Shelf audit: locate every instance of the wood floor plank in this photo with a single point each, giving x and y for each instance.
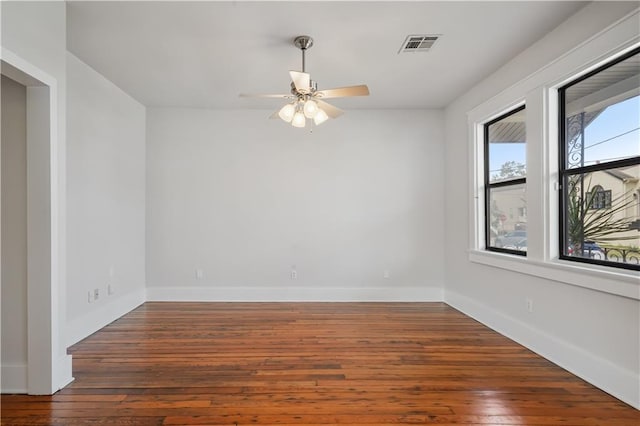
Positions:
(311, 364)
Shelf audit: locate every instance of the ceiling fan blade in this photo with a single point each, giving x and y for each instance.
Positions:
(259, 95)
(343, 92)
(301, 80)
(331, 111)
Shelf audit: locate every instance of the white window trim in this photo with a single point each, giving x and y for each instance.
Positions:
(539, 93)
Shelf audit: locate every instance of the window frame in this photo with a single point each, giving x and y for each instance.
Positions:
(488, 185)
(565, 172)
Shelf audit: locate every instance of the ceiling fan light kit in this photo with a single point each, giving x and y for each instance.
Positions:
(307, 99)
(287, 111)
(310, 108)
(298, 119)
(320, 117)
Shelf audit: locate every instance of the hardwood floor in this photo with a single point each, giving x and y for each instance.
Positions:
(311, 363)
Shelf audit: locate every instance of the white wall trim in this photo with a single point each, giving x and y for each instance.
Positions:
(621, 282)
(294, 294)
(62, 371)
(84, 326)
(619, 382)
(13, 378)
(23, 71)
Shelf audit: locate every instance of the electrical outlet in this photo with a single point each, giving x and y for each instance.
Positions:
(199, 274)
(96, 294)
(90, 296)
(386, 273)
(529, 304)
(294, 274)
(110, 289)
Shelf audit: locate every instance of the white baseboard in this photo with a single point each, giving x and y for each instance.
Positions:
(62, 372)
(13, 378)
(86, 325)
(619, 382)
(295, 294)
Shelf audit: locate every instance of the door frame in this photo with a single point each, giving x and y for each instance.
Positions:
(48, 367)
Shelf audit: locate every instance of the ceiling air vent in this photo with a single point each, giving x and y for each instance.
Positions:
(419, 43)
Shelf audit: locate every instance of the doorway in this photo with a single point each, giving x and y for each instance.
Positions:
(13, 235)
(33, 353)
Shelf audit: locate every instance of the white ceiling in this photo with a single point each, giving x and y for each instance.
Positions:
(203, 54)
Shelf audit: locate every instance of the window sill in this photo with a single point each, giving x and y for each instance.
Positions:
(625, 283)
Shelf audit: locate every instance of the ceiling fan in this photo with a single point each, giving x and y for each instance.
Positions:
(307, 102)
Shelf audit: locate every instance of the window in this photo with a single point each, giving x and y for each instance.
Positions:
(598, 198)
(600, 148)
(557, 238)
(505, 183)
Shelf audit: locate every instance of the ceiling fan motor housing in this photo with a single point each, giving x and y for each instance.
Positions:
(313, 88)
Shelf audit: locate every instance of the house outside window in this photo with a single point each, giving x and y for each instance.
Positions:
(600, 148)
(505, 183)
(598, 198)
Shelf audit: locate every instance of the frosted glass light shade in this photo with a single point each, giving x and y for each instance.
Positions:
(298, 119)
(310, 108)
(287, 112)
(320, 117)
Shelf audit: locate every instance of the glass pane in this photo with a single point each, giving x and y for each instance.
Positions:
(508, 217)
(602, 218)
(602, 115)
(507, 147)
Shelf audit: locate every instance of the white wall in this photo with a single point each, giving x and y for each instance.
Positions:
(13, 295)
(106, 200)
(246, 199)
(591, 333)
